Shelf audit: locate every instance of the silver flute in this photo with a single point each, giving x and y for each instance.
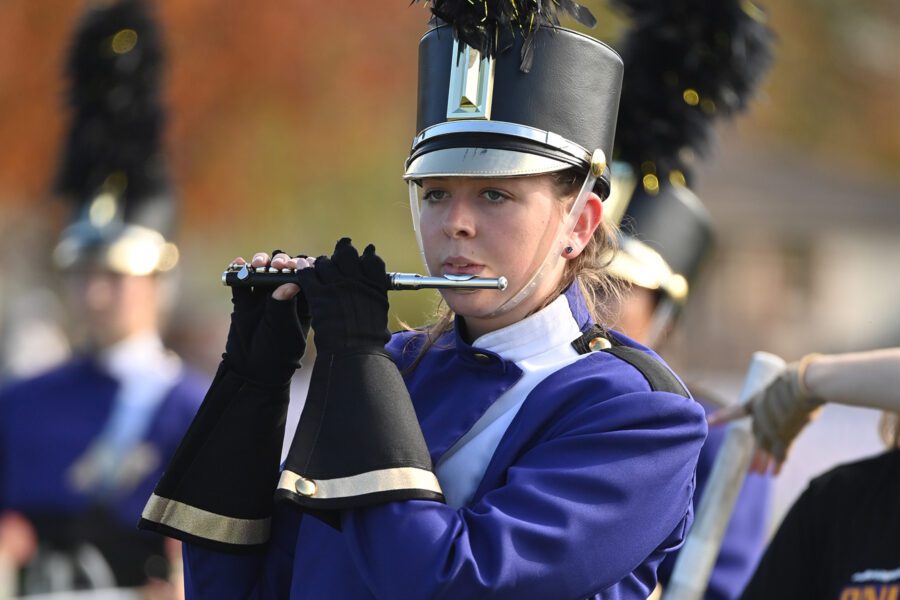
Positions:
(237, 275)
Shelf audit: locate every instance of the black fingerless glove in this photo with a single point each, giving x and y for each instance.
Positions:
(217, 489)
(267, 338)
(358, 441)
(348, 300)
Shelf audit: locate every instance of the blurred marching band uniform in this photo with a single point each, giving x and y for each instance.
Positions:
(687, 66)
(664, 238)
(82, 445)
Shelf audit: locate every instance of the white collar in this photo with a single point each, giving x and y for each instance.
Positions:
(548, 328)
(141, 353)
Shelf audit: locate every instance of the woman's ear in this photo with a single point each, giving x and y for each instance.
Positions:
(587, 223)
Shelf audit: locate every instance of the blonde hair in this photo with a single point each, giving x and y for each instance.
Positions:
(589, 270)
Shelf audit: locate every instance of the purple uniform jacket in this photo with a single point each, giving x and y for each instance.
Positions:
(46, 423)
(588, 490)
(745, 536)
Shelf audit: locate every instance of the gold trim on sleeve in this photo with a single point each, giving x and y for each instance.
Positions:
(205, 524)
(383, 480)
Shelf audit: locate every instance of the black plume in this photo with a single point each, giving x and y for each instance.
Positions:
(687, 62)
(488, 25)
(114, 140)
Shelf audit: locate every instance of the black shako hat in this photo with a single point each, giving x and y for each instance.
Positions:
(112, 168)
(691, 63)
(664, 238)
(505, 115)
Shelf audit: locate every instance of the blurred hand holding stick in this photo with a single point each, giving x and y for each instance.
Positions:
(783, 408)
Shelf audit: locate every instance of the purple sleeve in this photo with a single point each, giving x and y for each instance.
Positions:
(211, 574)
(591, 507)
(745, 535)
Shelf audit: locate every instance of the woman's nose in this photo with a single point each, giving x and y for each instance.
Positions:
(458, 220)
(98, 292)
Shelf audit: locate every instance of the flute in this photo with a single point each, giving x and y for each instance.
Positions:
(246, 276)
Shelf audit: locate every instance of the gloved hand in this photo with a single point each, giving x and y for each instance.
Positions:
(347, 297)
(239, 428)
(267, 337)
(358, 442)
(781, 411)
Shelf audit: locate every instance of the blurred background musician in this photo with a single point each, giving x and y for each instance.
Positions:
(82, 445)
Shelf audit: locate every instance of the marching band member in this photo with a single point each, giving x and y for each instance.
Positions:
(82, 445)
(516, 447)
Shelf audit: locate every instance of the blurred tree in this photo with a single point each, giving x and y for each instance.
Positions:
(290, 119)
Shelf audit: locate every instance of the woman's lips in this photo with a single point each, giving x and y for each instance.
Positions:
(461, 266)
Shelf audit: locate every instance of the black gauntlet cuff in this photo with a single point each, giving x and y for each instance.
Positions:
(217, 490)
(358, 442)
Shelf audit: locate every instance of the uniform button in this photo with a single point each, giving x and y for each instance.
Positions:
(305, 487)
(482, 358)
(599, 343)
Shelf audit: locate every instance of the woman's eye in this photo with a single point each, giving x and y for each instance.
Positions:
(434, 195)
(495, 196)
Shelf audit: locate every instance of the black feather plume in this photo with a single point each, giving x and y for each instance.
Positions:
(487, 25)
(114, 140)
(687, 63)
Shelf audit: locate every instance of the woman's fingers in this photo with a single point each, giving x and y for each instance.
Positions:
(286, 291)
(761, 462)
(260, 259)
(756, 461)
(299, 263)
(283, 261)
(280, 260)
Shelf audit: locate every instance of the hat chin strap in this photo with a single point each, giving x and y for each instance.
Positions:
(541, 267)
(659, 323)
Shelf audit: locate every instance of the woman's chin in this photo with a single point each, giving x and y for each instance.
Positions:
(472, 303)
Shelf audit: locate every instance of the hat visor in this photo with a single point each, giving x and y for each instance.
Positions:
(481, 162)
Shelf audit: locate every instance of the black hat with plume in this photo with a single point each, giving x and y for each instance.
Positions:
(504, 91)
(690, 63)
(112, 167)
(664, 237)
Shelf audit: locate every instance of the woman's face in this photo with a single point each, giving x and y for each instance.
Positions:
(488, 228)
(110, 307)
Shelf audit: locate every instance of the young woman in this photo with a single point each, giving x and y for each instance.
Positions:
(514, 449)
